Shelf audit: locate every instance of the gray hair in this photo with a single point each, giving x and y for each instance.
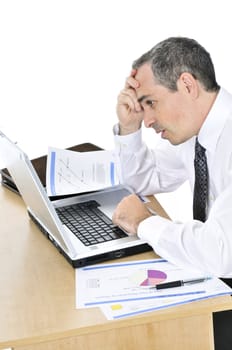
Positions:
(176, 55)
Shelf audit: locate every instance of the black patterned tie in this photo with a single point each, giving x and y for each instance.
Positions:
(201, 183)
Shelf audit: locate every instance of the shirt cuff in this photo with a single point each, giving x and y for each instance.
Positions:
(151, 229)
(130, 141)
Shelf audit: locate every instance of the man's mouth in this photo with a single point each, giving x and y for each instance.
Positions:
(158, 129)
(162, 133)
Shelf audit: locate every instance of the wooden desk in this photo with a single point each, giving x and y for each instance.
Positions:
(37, 296)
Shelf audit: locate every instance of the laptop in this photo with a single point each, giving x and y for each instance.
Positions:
(79, 227)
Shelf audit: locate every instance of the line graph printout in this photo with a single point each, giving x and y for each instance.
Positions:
(71, 172)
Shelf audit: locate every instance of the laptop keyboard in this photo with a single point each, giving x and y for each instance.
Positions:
(89, 223)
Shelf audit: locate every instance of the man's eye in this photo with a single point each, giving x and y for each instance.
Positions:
(150, 103)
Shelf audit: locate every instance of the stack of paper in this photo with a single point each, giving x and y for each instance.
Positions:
(127, 289)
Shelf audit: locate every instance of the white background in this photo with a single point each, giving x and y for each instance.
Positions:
(63, 63)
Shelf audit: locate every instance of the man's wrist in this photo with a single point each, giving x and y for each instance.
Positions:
(126, 131)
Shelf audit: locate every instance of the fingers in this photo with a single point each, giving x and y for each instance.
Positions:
(131, 82)
(129, 110)
(120, 216)
(128, 97)
(130, 89)
(129, 213)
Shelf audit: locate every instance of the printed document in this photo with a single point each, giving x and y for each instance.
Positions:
(125, 289)
(70, 172)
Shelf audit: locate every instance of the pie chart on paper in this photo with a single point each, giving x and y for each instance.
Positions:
(154, 277)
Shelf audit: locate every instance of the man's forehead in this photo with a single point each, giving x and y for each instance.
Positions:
(144, 72)
(147, 86)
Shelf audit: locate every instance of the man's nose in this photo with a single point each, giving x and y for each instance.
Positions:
(148, 119)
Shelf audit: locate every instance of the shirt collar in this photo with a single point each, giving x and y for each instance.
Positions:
(215, 121)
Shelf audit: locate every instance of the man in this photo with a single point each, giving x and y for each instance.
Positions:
(173, 89)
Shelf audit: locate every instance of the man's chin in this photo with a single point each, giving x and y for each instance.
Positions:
(172, 140)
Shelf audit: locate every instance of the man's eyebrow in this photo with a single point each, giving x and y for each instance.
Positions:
(140, 99)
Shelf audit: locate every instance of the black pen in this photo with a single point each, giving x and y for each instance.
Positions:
(180, 283)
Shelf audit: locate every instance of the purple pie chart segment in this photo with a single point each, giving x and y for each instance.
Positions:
(154, 277)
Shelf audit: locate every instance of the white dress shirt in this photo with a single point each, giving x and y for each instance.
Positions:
(192, 244)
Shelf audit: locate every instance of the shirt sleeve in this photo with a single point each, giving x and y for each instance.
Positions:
(145, 170)
(193, 244)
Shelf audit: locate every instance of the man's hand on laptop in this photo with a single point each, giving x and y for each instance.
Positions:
(129, 213)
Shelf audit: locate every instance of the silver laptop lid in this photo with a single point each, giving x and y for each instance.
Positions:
(31, 189)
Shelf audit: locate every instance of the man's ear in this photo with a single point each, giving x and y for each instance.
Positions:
(188, 84)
